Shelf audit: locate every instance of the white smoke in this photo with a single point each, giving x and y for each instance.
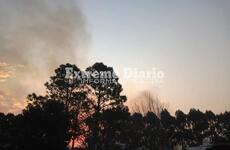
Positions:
(40, 35)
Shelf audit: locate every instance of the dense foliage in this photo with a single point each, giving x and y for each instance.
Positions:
(76, 115)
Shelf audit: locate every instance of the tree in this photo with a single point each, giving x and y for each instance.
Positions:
(137, 126)
(105, 94)
(90, 106)
(149, 103)
(211, 133)
(11, 133)
(168, 123)
(153, 131)
(45, 126)
(116, 128)
(223, 128)
(182, 131)
(198, 124)
(68, 89)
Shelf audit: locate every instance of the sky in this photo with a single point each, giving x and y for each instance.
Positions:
(189, 41)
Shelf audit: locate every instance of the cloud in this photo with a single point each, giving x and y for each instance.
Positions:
(10, 104)
(7, 70)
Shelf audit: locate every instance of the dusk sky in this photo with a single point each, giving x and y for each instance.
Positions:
(189, 41)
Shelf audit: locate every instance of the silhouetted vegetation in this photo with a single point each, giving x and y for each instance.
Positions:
(92, 116)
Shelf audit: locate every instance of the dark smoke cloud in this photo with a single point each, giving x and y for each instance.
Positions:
(40, 35)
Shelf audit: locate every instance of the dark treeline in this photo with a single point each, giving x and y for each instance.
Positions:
(92, 116)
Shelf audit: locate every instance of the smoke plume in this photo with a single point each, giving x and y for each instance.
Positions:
(39, 35)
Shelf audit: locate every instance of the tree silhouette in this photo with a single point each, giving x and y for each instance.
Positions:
(91, 111)
(105, 94)
(116, 128)
(181, 134)
(149, 103)
(45, 126)
(71, 92)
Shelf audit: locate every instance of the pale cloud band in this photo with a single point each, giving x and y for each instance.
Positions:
(10, 104)
(8, 70)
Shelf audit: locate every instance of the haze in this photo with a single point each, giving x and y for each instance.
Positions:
(188, 40)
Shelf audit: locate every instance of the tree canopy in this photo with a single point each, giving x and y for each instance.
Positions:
(86, 110)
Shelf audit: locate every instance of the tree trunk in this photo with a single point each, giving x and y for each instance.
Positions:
(72, 147)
